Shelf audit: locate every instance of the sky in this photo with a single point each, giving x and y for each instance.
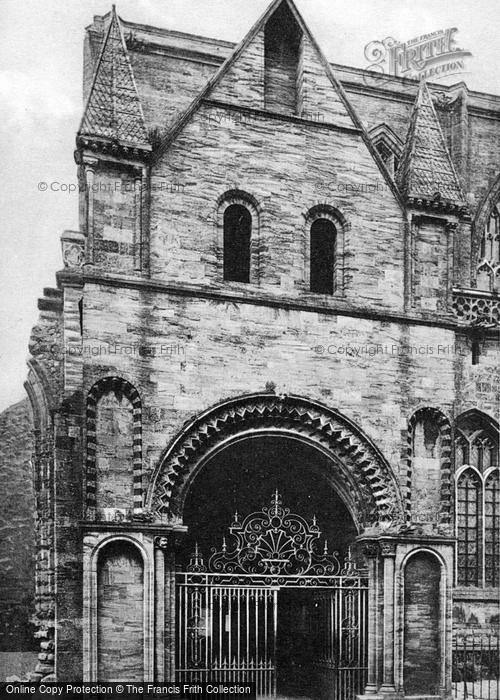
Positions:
(41, 48)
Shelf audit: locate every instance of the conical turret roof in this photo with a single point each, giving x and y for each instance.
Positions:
(113, 111)
(426, 175)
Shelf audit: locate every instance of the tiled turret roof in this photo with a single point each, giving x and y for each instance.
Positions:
(113, 110)
(426, 174)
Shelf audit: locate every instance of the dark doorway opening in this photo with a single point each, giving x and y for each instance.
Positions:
(242, 478)
(297, 644)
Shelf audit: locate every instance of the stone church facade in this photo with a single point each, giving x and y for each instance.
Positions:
(277, 323)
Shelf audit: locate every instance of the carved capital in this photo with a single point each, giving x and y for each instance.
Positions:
(73, 249)
(170, 542)
(388, 548)
(90, 162)
(371, 550)
(162, 542)
(444, 101)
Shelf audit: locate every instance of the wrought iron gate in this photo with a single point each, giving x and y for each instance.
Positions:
(273, 589)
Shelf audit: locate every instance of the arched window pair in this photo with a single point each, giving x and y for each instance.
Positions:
(477, 507)
(238, 241)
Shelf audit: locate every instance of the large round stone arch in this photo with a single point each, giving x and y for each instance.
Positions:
(355, 461)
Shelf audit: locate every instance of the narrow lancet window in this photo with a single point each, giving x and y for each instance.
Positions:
(237, 236)
(323, 240)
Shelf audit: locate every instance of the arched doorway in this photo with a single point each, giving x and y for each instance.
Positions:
(270, 591)
(337, 467)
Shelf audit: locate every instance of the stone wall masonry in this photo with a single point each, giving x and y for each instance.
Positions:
(462, 255)
(484, 150)
(47, 339)
(114, 452)
(115, 195)
(375, 109)
(73, 323)
(284, 167)
(243, 82)
(167, 85)
(187, 354)
(477, 386)
(471, 613)
(45, 603)
(120, 625)
(168, 81)
(422, 644)
(17, 526)
(319, 97)
(455, 124)
(432, 253)
(68, 511)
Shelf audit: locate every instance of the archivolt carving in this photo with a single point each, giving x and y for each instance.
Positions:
(356, 462)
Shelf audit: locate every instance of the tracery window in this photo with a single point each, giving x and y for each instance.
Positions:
(468, 528)
(488, 269)
(477, 512)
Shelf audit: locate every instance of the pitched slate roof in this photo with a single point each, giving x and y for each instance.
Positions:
(426, 171)
(113, 110)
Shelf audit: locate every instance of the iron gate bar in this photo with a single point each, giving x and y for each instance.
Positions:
(273, 550)
(245, 646)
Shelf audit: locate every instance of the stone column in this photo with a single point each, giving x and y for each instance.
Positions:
(161, 544)
(451, 234)
(164, 593)
(138, 218)
(145, 197)
(89, 165)
(388, 551)
(371, 552)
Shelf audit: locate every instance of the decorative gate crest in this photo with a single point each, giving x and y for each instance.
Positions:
(273, 542)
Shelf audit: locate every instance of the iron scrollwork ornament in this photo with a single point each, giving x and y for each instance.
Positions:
(274, 542)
